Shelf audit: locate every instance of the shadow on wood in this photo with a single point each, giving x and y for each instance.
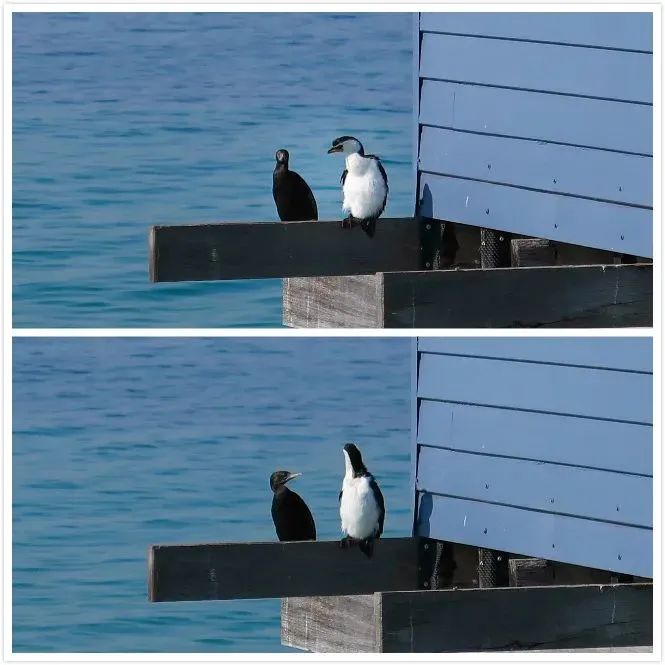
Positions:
(272, 570)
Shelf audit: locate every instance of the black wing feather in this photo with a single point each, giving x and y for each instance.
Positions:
(385, 179)
(343, 178)
(379, 499)
(310, 195)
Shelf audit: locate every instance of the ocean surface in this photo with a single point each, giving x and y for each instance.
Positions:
(123, 443)
(125, 120)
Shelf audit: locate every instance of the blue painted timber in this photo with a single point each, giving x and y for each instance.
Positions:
(527, 112)
(536, 116)
(537, 446)
(618, 30)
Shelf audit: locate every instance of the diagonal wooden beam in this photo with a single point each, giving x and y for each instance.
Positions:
(225, 571)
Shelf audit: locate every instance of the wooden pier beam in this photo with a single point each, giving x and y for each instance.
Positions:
(589, 616)
(227, 571)
(610, 296)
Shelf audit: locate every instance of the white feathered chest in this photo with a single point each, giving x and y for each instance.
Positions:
(358, 508)
(364, 188)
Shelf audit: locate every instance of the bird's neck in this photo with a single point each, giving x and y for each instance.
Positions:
(357, 163)
(281, 168)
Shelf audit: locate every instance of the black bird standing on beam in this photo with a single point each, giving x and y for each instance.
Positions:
(293, 197)
(292, 518)
(361, 505)
(364, 184)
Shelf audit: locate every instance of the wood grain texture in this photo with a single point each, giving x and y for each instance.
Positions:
(616, 446)
(330, 624)
(583, 542)
(608, 74)
(538, 116)
(613, 30)
(280, 249)
(352, 301)
(549, 297)
(273, 570)
(587, 616)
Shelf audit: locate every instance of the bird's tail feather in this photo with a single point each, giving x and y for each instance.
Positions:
(368, 226)
(367, 547)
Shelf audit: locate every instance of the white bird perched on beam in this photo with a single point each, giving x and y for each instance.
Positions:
(361, 506)
(364, 184)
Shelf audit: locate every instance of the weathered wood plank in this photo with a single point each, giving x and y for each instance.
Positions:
(273, 570)
(353, 301)
(330, 624)
(609, 296)
(280, 249)
(586, 616)
(548, 297)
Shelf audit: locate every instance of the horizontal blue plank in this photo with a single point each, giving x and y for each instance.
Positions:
(620, 75)
(589, 493)
(593, 393)
(539, 116)
(609, 226)
(623, 30)
(551, 167)
(600, 444)
(625, 353)
(623, 549)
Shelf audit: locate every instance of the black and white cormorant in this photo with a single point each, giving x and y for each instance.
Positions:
(293, 519)
(293, 197)
(361, 505)
(364, 184)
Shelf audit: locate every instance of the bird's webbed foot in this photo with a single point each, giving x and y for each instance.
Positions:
(345, 542)
(349, 222)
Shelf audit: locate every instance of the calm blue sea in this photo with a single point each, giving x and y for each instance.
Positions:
(124, 120)
(123, 443)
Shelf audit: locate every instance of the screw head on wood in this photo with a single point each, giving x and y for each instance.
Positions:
(428, 226)
(428, 264)
(425, 546)
(426, 583)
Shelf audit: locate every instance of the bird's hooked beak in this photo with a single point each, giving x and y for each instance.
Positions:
(336, 148)
(291, 476)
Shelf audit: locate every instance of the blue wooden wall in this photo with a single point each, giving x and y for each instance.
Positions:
(536, 446)
(537, 123)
